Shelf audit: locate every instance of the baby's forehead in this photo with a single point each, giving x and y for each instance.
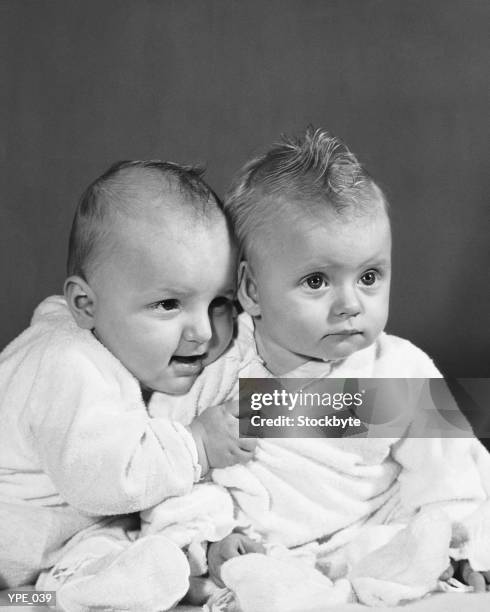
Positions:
(143, 249)
(344, 206)
(290, 218)
(290, 210)
(171, 216)
(150, 218)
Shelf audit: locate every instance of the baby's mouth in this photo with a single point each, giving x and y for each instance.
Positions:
(188, 359)
(188, 365)
(345, 332)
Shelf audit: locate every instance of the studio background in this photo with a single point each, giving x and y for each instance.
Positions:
(404, 83)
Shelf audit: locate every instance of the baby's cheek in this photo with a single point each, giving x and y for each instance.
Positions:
(222, 337)
(163, 345)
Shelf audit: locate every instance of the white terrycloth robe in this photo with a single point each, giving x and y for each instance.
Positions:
(77, 443)
(299, 490)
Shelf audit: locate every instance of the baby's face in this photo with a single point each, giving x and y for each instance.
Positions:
(164, 297)
(323, 288)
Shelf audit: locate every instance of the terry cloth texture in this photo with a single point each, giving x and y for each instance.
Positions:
(351, 484)
(351, 481)
(77, 442)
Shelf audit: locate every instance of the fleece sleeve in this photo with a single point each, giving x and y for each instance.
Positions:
(96, 442)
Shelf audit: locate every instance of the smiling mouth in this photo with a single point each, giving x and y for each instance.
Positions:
(187, 365)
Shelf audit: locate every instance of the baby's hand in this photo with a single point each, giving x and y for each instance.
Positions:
(231, 546)
(217, 427)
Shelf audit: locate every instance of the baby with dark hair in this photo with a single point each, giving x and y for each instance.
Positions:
(148, 305)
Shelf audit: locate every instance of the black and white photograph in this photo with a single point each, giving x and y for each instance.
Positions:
(245, 325)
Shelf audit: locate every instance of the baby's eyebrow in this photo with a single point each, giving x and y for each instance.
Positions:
(376, 259)
(378, 262)
(171, 291)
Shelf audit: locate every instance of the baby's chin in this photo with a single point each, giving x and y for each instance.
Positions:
(339, 350)
(174, 386)
(337, 355)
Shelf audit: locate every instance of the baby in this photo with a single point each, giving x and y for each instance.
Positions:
(314, 280)
(150, 288)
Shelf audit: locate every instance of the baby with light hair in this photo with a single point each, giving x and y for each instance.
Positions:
(314, 281)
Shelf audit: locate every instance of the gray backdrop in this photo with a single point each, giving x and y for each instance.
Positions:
(404, 83)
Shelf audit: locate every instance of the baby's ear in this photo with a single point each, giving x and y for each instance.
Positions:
(247, 290)
(81, 301)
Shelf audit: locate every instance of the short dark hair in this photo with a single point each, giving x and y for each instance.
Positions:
(121, 189)
(316, 168)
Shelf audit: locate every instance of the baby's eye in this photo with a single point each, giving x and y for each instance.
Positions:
(167, 305)
(369, 278)
(315, 281)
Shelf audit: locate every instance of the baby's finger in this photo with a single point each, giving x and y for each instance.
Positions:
(232, 407)
(214, 567)
(231, 549)
(248, 444)
(254, 547)
(232, 426)
(242, 456)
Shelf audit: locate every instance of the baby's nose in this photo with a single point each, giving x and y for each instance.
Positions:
(198, 330)
(347, 303)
